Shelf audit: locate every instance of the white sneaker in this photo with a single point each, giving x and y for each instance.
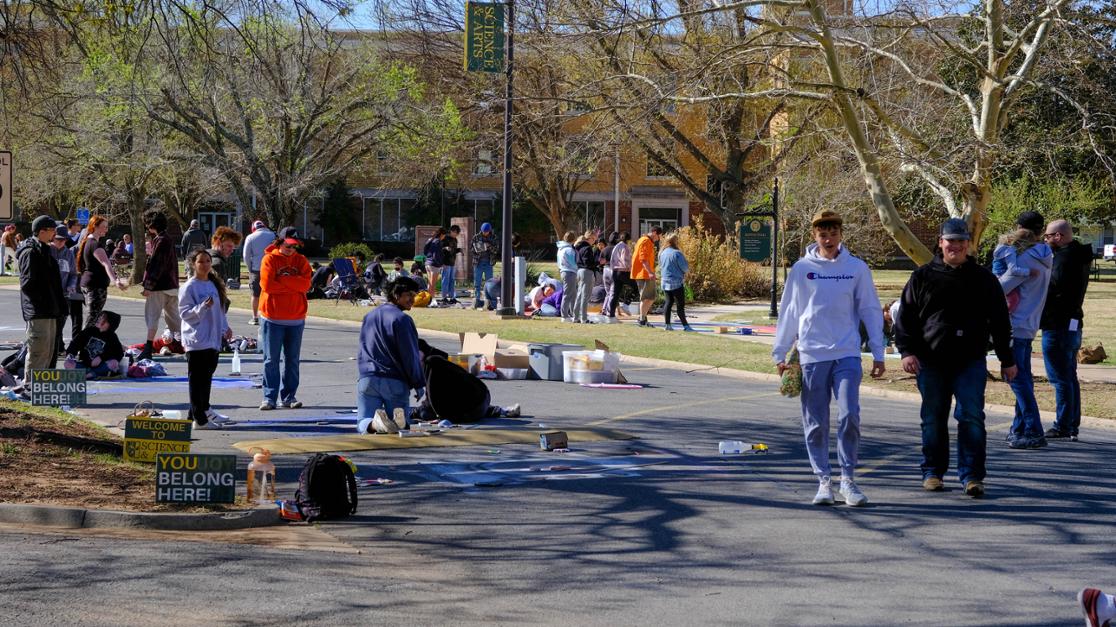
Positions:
(399, 416)
(255, 322)
(207, 426)
(382, 424)
(513, 411)
(825, 492)
(293, 403)
(267, 405)
(853, 496)
(215, 417)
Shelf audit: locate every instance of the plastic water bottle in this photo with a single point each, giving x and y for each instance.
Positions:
(738, 447)
(234, 371)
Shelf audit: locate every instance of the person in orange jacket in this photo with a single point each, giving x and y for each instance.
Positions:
(284, 281)
(643, 271)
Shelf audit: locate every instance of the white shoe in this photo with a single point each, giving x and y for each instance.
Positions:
(267, 405)
(399, 416)
(853, 496)
(207, 426)
(825, 492)
(255, 322)
(382, 424)
(293, 403)
(213, 416)
(512, 411)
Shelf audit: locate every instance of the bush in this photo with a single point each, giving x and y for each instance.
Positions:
(717, 273)
(350, 249)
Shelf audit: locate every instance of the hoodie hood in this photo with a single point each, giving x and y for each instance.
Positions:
(563, 244)
(813, 254)
(113, 320)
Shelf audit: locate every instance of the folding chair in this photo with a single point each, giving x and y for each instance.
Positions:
(348, 280)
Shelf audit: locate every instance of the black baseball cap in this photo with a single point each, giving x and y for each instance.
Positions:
(289, 235)
(1032, 221)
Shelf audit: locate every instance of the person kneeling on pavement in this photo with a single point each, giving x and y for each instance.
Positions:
(453, 393)
(388, 360)
(97, 348)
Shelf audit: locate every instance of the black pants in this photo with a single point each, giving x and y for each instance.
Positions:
(200, 366)
(74, 309)
(675, 298)
(620, 278)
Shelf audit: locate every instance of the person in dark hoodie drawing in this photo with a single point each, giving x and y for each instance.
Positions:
(97, 348)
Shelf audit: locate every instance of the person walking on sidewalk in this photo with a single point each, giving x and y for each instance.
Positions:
(160, 284)
(948, 310)
(284, 281)
(96, 269)
(486, 250)
(673, 268)
(1031, 282)
(67, 269)
(643, 271)
(1061, 324)
(828, 294)
(40, 297)
(432, 250)
(255, 247)
(620, 261)
(388, 361)
(204, 328)
(450, 250)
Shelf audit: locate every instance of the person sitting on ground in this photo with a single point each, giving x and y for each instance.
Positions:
(397, 270)
(551, 306)
(120, 254)
(320, 280)
(388, 361)
(375, 274)
(419, 276)
(97, 348)
(453, 393)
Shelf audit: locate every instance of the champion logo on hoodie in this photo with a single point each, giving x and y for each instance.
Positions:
(814, 276)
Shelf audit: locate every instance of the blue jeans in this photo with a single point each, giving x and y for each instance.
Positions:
(481, 273)
(1027, 422)
(939, 386)
(839, 378)
(381, 393)
(1059, 351)
(286, 341)
(449, 277)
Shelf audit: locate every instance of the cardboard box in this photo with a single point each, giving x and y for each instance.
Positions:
(514, 356)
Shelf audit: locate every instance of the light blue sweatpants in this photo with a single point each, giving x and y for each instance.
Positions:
(840, 379)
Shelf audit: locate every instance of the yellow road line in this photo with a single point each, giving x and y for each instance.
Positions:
(709, 401)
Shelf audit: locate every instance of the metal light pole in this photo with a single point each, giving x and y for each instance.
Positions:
(507, 283)
(775, 250)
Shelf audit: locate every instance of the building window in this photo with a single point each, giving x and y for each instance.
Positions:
(486, 165)
(385, 219)
(590, 214)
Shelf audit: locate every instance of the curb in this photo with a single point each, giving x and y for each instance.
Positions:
(78, 518)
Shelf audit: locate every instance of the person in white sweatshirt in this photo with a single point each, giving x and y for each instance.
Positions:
(201, 305)
(567, 269)
(828, 294)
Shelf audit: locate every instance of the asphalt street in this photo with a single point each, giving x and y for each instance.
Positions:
(656, 530)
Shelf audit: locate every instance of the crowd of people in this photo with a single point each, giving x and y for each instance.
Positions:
(949, 311)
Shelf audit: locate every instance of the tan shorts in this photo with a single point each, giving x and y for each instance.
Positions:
(254, 283)
(646, 289)
(164, 303)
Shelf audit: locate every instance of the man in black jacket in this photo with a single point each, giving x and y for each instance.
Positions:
(1061, 325)
(949, 309)
(40, 296)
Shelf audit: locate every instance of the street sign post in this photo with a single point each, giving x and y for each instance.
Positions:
(753, 240)
(7, 207)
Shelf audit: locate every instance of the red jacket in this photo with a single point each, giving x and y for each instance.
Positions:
(284, 282)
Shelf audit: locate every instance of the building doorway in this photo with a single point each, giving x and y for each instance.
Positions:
(210, 220)
(666, 218)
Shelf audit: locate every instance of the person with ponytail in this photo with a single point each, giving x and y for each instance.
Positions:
(95, 268)
(201, 307)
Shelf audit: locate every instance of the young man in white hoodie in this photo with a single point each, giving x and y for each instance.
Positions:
(828, 295)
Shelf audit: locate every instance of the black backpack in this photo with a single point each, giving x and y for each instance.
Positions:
(326, 488)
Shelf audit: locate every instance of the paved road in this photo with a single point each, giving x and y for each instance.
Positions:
(661, 531)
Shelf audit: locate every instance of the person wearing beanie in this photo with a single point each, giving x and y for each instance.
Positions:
(828, 295)
(40, 296)
(948, 310)
(485, 253)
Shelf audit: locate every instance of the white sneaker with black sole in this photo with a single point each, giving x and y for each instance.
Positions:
(853, 496)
